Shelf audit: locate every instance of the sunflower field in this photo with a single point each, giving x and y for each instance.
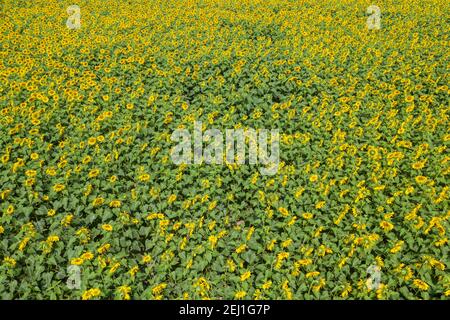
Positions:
(93, 207)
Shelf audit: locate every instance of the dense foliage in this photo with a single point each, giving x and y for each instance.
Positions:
(86, 176)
